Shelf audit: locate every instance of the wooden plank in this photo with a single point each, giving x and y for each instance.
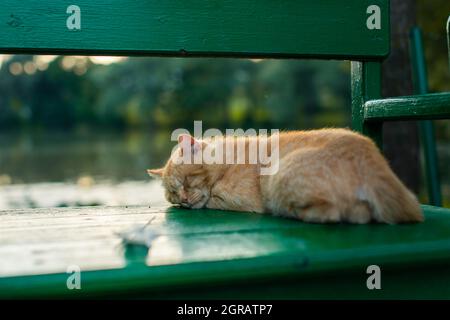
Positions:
(73, 218)
(418, 107)
(366, 85)
(426, 128)
(90, 242)
(63, 212)
(109, 253)
(202, 234)
(47, 240)
(264, 28)
(201, 246)
(45, 258)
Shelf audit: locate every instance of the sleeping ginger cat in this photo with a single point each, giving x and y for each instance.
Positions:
(324, 176)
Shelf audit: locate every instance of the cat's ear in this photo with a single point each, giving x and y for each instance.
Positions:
(184, 137)
(155, 173)
(188, 141)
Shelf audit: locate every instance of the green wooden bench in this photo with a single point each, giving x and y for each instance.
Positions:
(428, 139)
(218, 254)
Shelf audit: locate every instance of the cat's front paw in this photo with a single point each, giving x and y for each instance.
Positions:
(197, 199)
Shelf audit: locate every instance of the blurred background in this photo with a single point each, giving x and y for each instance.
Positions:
(82, 130)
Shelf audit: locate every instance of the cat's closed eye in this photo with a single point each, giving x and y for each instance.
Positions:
(218, 198)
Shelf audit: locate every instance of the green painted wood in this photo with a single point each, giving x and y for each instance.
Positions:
(426, 127)
(207, 253)
(365, 85)
(292, 28)
(419, 107)
(357, 95)
(448, 40)
(372, 82)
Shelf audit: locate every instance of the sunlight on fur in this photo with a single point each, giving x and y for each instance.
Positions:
(324, 176)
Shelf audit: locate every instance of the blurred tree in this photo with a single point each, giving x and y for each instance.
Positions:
(432, 17)
(401, 140)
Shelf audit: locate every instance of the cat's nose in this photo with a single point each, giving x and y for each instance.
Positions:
(185, 202)
(183, 197)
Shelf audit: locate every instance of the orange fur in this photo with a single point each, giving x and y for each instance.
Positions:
(327, 175)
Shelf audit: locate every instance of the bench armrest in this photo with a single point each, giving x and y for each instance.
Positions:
(419, 107)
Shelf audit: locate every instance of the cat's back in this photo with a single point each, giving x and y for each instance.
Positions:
(337, 137)
(333, 175)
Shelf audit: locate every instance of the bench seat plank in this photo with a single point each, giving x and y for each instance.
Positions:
(198, 248)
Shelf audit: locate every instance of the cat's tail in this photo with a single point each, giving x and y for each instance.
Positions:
(390, 200)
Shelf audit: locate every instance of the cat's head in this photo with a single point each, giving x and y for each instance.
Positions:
(186, 184)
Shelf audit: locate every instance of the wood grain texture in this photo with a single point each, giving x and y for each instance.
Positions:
(264, 28)
(198, 248)
(49, 240)
(419, 107)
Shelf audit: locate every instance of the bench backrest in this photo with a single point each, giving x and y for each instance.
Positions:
(357, 30)
(350, 29)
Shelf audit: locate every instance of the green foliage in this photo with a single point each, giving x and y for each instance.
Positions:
(432, 17)
(169, 93)
(172, 92)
